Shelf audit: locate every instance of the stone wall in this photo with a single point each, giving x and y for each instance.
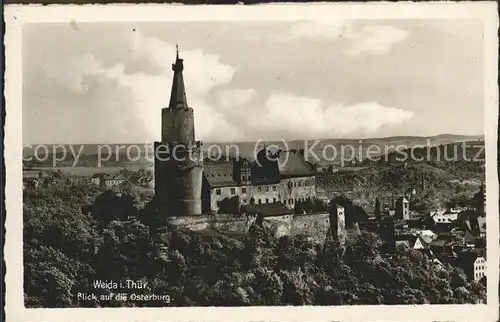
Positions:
(220, 222)
(287, 191)
(315, 226)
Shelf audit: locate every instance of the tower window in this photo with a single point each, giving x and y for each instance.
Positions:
(243, 190)
(217, 192)
(274, 200)
(260, 201)
(259, 189)
(274, 188)
(267, 189)
(267, 200)
(233, 191)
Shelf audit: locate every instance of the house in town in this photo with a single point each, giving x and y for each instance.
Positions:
(107, 180)
(473, 263)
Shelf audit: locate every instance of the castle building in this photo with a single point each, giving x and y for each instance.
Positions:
(186, 185)
(233, 193)
(284, 177)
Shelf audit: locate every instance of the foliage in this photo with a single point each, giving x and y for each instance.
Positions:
(69, 246)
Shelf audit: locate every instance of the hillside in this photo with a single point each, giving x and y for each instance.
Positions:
(434, 187)
(458, 159)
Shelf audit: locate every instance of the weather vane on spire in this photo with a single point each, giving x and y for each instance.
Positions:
(177, 50)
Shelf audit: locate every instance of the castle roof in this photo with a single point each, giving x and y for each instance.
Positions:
(219, 173)
(178, 93)
(292, 164)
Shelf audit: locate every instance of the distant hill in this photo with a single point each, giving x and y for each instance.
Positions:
(322, 150)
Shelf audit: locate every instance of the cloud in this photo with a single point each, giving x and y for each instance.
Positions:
(296, 117)
(376, 40)
(150, 90)
(236, 97)
(370, 39)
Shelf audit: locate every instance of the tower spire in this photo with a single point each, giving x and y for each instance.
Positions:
(178, 93)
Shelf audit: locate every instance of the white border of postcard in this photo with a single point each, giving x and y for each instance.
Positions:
(17, 15)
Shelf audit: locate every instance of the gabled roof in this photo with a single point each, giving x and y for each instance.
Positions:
(219, 173)
(426, 239)
(292, 164)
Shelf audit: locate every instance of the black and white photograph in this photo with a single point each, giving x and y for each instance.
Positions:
(303, 161)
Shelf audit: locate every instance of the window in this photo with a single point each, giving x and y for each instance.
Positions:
(243, 190)
(267, 189)
(260, 201)
(259, 189)
(295, 184)
(267, 200)
(233, 191)
(274, 188)
(217, 191)
(244, 201)
(300, 183)
(274, 200)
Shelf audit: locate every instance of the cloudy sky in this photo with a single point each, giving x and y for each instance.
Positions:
(107, 82)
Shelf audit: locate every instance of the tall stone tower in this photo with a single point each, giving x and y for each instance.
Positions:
(178, 157)
(337, 223)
